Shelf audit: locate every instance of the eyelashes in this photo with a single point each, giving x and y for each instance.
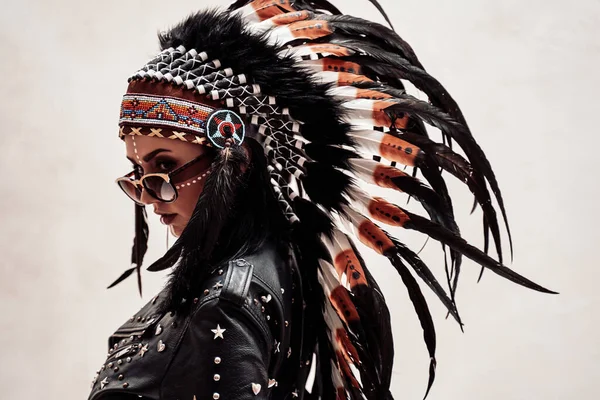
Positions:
(158, 165)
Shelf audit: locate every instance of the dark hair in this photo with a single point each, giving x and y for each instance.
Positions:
(235, 214)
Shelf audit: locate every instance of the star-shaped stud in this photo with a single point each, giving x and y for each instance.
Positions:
(103, 382)
(295, 393)
(143, 350)
(218, 285)
(218, 332)
(277, 345)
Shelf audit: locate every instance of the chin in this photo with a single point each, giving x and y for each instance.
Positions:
(175, 230)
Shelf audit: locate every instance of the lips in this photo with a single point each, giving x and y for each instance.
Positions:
(166, 219)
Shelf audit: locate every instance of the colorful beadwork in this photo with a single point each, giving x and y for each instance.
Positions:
(223, 125)
(143, 109)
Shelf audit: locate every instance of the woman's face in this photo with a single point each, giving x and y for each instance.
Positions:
(158, 155)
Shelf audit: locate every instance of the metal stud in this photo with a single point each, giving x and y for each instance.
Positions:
(218, 332)
(116, 369)
(161, 346)
(143, 350)
(217, 360)
(216, 396)
(174, 324)
(217, 377)
(120, 377)
(268, 317)
(196, 300)
(154, 300)
(120, 362)
(289, 353)
(272, 382)
(295, 393)
(128, 359)
(282, 290)
(266, 299)
(256, 388)
(110, 365)
(262, 308)
(277, 345)
(125, 385)
(218, 285)
(287, 324)
(220, 272)
(138, 319)
(158, 330)
(206, 291)
(103, 382)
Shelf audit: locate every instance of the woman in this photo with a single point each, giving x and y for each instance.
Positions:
(253, 135)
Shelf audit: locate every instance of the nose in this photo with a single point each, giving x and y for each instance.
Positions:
(145, 197)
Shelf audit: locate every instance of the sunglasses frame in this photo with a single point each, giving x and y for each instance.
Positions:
(167, 177)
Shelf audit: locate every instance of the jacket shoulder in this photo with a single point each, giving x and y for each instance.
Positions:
(234, 343)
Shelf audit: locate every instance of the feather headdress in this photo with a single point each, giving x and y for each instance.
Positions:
(323, 94)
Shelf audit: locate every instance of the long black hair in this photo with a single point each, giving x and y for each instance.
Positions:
(236, 213)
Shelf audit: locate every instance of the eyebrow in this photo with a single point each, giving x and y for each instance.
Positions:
(151, 155)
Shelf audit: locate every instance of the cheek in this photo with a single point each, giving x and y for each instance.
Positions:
(186, 201)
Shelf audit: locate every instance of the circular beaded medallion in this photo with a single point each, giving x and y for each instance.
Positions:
(222, 125)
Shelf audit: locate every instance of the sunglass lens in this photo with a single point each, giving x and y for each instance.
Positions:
(159, 188)
(130, 190)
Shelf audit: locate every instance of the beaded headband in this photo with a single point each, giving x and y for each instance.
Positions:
(155, 110)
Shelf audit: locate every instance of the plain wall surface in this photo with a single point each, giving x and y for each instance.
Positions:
(526, 77)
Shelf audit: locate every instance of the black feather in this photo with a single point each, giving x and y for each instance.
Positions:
(443, 235)
(420, 305)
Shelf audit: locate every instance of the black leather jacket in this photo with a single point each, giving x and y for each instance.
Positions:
(235, 343)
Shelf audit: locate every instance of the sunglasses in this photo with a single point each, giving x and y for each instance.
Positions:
(161, 186)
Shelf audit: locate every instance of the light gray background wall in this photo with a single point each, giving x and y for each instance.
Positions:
(526, 77)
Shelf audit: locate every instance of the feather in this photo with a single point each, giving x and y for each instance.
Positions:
(376, 33)
(376, 238)
(140, 246)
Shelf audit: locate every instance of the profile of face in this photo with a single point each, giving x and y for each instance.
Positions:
(159, 155)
